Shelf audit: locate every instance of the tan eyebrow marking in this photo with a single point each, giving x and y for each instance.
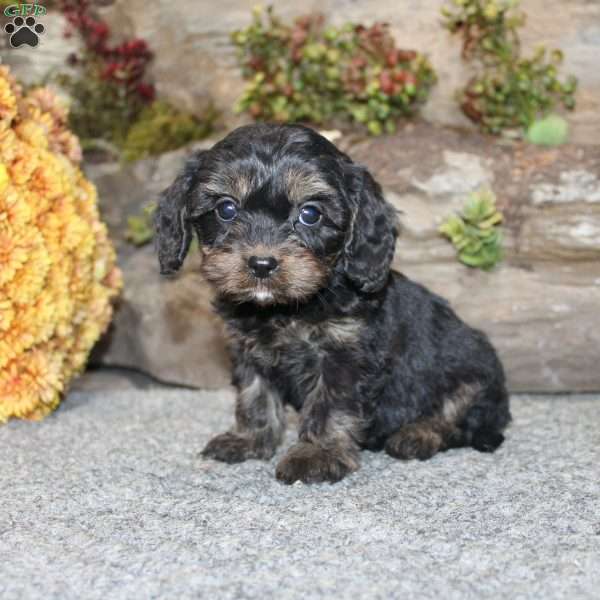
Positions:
(302, 184)
(238, 184)
(298, 184)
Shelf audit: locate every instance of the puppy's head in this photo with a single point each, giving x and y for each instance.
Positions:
(279, 212)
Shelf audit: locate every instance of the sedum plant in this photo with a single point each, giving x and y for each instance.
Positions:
(552, 130)
(475, 232)
(58, 274)
(509, 91)
(140, 228)
(308, 71)
(161, 127)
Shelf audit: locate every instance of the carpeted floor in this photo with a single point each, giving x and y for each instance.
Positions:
(107, 498)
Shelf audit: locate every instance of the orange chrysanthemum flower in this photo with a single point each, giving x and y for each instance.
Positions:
(57, 266)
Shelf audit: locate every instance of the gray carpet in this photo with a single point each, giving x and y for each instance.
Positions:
(108, 499)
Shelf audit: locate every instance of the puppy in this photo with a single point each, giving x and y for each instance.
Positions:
(297, 241)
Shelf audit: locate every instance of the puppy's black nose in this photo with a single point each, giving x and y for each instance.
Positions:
(262, 266)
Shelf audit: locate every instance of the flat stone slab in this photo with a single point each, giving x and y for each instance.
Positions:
(107, 498)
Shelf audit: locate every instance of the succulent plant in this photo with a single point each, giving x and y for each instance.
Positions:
(475, 233)
(552, 130)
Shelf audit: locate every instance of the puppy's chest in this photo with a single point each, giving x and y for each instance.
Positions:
(297, 346)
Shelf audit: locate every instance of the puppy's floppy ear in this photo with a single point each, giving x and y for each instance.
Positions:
(371, 239)
(173, 228)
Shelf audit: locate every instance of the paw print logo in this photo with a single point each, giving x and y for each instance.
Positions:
(24, 31)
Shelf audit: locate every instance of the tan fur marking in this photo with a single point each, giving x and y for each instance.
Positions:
(304, 274)
(425, 433)
(235, 184)
(300, 273)
(301, 185)
(428, 436)
(456, 406)
(421, 440)
(251, 392)
(340, 332)
(313, 396)
(260, 417)
(344, 331)
(344, 429)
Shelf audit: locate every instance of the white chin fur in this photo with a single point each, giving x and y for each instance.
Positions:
(263, 296)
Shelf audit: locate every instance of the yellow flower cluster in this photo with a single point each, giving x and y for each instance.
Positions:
(57, 265)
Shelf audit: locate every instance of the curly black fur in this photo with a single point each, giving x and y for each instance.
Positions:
(369, 358)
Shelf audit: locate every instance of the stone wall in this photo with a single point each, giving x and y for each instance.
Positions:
(540, 306)
(195, 61)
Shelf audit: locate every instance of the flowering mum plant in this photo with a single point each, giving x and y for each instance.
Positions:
(58, 273)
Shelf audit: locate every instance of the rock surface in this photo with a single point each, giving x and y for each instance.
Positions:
(539, 306)
(166, 327)
(196, 62)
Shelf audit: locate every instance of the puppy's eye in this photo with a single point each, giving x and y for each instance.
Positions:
(309, 215)
(226, 210)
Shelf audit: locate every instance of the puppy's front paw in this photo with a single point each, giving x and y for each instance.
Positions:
(230, 448)
(310, 463)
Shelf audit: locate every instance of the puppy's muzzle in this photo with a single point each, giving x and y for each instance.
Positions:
(262, 266)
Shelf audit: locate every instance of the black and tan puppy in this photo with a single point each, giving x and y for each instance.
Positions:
(297, 241)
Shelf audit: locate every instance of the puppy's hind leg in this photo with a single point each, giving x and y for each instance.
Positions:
(260, 423)
(486, 419)
(422, 439)
(457, 424)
